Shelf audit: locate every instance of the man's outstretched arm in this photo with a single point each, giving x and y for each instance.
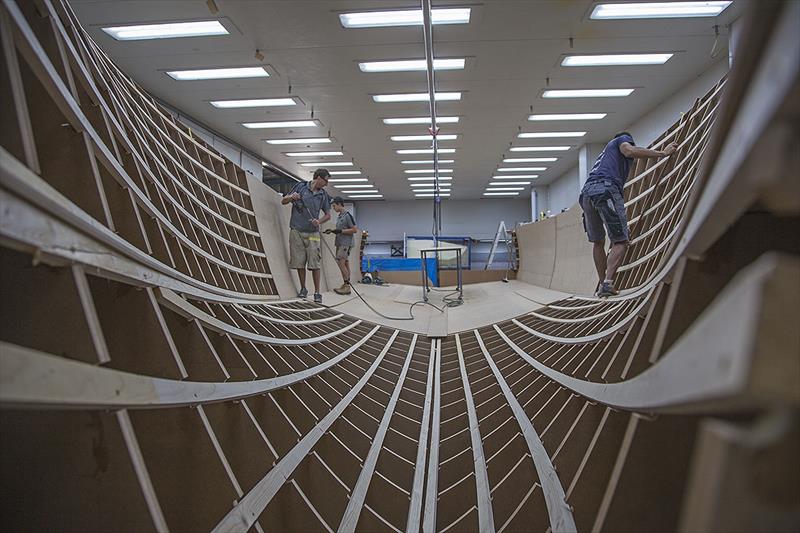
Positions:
(630, 151)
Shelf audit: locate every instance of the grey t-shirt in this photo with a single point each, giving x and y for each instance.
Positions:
(315, 202)
(345, 221)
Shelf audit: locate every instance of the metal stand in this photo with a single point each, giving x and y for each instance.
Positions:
(424, 255)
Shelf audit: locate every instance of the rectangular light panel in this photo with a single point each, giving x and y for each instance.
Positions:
(411, 65)
(530, 159)
(522, 169)
(345, 173)
(550, 134)
(429, 171)
(430, 178)
(328, 164)
(567, 116)
(255, 102)
(218, 73)
(415, 97)
(200, 28)
(539, 148)
(405, 17)
(311, 140)
(646, 10)
(312, 154)
(501, 194)
(405, 138)
(585, 93)
(606, 60)
(425, 151)
(426, 161)
(516, 177)
(346, 180)
(420, 120)
(502, 183)
(282, 124)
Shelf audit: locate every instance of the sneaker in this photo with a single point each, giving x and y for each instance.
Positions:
(303, 293)
(607, 289)
(344, 289)
(317, 298)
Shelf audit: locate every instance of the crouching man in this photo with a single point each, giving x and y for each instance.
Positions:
(307, 199)
(345, 229)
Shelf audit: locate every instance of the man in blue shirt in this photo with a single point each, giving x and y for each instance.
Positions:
(307, 199)
(603, 203)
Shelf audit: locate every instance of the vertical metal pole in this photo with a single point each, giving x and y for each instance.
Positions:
(427, 30)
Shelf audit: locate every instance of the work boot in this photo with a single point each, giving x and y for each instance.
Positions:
(607, 289)
(317, 298)
(303, 293)
(344, 289)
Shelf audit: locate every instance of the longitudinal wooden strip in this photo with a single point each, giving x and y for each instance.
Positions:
(432, 486)
(30, 378)
(559, 512)
(483, 493)
(242, 517)
(288, 322)
(90, 313)
(415, 506)
(183, 307)
(146, 484)
(356, 503)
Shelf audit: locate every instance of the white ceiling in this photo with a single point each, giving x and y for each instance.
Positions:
(512, 46)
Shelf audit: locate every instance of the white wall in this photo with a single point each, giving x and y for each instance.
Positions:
(563, 192)
(474, 218)
(648, 127)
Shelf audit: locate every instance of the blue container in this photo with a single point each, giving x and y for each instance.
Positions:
(395, 264)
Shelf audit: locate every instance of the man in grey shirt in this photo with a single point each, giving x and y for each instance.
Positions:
(345, 229)
(307, 199)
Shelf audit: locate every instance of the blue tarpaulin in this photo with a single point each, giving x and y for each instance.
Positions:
(389, 264)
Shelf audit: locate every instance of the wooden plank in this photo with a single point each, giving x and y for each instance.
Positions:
(90, 312)
(559, 512)
(254, 502)
(432, 481)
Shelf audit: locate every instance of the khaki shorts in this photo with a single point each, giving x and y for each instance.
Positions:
(303, 250)
(343, 252)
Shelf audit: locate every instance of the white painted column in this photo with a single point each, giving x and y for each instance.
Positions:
(534, 205)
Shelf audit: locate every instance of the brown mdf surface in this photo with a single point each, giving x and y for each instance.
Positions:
(67, 471)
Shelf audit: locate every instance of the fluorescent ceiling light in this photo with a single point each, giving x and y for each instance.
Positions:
(550, 134)
(428, 171)
(312, 154)
(314, 140)
(568, 116)
(604, 60)
(496, 189)
(328, 164)
(403, 138)
(530, 159)
(516, 177)
(346, 180)
(441, 185)
(167, 30)
(658, 10)
(411, 65)
(501, 194)
(420, 120)
(360, 191)
(441, 191)
(539, 148)
(355, 186)
(358, 196)
(416, 97)
(406, 17)
(256, 102)
(431, 195)
(426, 161)
(218, 73)
(282, 124)
(426, 151)
(585, 93)
(345, 172)
(430, 178)
(522, 169)
(502, 183)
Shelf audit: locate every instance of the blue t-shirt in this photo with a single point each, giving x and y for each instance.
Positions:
(611, 164)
